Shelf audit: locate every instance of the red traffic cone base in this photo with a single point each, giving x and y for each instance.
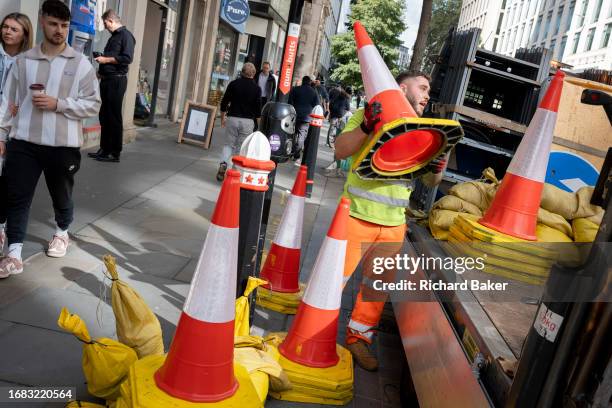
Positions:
(197, 373)
(282, 266)
(408, 150)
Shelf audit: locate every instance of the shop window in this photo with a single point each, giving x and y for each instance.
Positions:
(223, 63)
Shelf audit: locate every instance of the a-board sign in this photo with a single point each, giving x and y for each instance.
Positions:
(197, 124)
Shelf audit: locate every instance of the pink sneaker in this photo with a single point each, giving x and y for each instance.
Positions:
(10, 266)
(58, 246)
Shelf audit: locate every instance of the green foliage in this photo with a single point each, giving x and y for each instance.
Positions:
(445, 14)
(383, 20)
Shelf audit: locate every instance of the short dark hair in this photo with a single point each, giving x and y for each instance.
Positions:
(306, 80)
(110, 14)
(402, 76)
(55, 8)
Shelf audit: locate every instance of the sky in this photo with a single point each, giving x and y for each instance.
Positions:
(412, 16)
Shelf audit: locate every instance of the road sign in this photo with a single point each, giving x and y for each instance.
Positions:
(570, 172)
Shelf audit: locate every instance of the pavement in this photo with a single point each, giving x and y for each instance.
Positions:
(151, 212)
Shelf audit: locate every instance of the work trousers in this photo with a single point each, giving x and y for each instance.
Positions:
(24, 164)
(3, 199)
(236, 130)
(365, 242)
(112, 90)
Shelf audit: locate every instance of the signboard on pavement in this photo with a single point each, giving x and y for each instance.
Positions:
(570, 172)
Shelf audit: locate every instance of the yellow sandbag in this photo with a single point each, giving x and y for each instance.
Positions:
(105, 361)
(137, 326)
(555, 221)
(569, 205)
(597, 218)
(584, 230)
(451, 202)
(261, 360)
(84, 404)
(585, 208)
(548, 234)
(478, 192)
(558, 201)
(241, 327)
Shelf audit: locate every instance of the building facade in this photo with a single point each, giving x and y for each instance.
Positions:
(331, 28)
(577, 32)
(483, 14)
(312, 32)
(403, 58)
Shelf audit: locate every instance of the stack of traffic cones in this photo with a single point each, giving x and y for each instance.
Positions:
(511, 220)
(320, 370)
(282, 266)
(199, 367)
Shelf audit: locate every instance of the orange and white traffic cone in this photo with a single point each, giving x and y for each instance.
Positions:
(282, 266)
(401, 143)
(320, 370)
(199, 365)
(311, 341)
(514, 210)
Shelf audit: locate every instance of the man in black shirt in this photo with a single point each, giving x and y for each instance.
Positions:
(118, 54)
(243, 97)
(303, 98)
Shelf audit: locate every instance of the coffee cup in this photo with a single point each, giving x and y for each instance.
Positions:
(37, 89)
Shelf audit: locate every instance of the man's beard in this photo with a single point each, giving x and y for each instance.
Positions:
(415, 105)
(56, 40)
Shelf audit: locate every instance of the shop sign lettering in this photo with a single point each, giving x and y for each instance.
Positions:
(235, 13)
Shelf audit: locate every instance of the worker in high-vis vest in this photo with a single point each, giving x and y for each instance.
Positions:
(377, 222)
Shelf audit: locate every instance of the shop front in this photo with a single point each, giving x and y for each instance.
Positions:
(155, 73)
(224, 61)
(233, 15)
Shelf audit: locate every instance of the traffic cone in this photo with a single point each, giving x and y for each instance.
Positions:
(311, 341)
(514, 210)
(282, 266)
(199, 365)
(401, 143)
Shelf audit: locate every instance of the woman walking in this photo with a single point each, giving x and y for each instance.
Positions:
(16, 38)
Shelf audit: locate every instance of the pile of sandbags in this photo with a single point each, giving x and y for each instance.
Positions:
(569, 213)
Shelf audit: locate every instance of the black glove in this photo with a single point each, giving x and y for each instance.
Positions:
(438, 164)
(371, 116)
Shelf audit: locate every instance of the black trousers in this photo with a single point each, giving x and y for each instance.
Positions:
(3, 198)
(24, 164)
(112, 90)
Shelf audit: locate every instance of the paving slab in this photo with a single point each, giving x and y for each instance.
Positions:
(41, 309)
(35, 356)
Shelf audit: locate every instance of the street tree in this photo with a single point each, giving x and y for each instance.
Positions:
(416, 61)
(444, 16)
(383, 19)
